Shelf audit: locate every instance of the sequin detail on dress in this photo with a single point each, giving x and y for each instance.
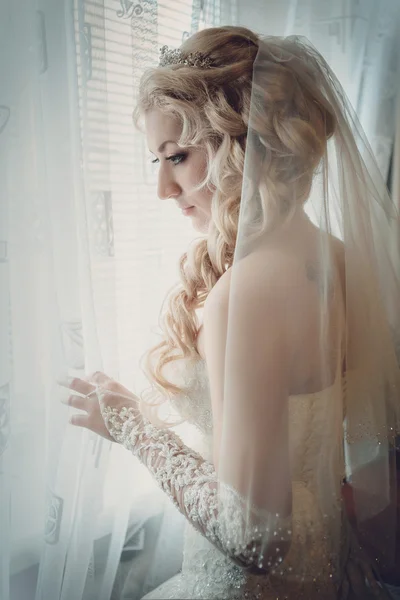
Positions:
(191, 483)
(223, 558)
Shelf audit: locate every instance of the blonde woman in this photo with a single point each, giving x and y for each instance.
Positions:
(291, 376)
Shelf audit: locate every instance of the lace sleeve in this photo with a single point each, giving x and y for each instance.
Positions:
(215, 510)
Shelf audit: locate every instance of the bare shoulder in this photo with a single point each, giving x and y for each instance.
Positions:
(254, 301)
(259, 276)
(219, 295)
(274, 292)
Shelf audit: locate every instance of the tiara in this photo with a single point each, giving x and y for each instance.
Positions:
(175, 56)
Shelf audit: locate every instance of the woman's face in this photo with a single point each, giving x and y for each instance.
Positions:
(180, 169)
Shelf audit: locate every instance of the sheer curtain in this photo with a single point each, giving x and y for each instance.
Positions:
(395, 165)
(87, 253)
(360, 39)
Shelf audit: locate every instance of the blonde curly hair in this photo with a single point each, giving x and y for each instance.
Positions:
(213, 105)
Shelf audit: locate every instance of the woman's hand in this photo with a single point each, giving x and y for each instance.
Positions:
(98, 391)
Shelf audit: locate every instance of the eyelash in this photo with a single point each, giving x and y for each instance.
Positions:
(179, 157)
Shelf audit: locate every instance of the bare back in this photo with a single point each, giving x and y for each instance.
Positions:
(296, 251)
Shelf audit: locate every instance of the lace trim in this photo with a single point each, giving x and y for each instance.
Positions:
(252, 538)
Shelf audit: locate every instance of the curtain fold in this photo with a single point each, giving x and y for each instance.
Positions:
(395, 170)
(360, 41)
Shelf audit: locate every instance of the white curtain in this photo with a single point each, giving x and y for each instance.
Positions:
(395, 166)
(87, 253)
(360, 39)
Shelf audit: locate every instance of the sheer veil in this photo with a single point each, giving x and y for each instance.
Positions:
(312, 389)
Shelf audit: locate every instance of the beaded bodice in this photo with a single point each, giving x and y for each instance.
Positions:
(222, 553)
(307, 413)
(309, 440)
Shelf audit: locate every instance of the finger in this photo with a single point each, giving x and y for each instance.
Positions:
(99, 378)
(80, 421)
(77, 385)
(80, 402)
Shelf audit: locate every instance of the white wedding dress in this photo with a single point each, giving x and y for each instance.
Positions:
(209, 573)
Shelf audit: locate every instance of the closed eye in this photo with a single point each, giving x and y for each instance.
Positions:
(176, 159)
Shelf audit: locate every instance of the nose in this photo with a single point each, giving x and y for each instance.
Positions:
(167, 186)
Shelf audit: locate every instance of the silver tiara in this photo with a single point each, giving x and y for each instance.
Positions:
(175, 56)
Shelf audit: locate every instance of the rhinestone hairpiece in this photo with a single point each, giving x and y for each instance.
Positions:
(175, 56)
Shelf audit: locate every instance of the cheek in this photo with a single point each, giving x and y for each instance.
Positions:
(197, 167)
(206, 199)
(198, 172)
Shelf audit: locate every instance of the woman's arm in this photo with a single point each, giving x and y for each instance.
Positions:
(242, 519)
(235, 502)
(192, 484)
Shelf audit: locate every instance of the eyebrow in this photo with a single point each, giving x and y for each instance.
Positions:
(162, 146)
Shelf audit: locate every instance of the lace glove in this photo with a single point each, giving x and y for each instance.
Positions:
(191, 483)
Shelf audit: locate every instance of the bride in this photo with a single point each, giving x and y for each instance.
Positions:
(291, 376)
